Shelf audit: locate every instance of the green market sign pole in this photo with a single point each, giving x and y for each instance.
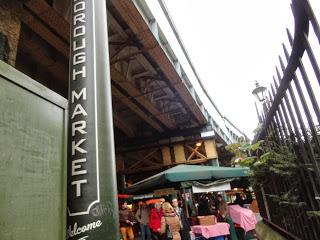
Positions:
(92, 203)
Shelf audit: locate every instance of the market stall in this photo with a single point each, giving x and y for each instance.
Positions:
(244, 217)
(173, 177)
(209, 231)
(189, 180)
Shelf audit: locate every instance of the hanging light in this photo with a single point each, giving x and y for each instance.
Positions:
(259, 92)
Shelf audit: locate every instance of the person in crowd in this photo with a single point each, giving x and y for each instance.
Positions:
(184, 224)
(170, 224)
(126, 222)
(203, 207)
(142, 215)
(239, 200)
(155, 221)
(223, 216)
(223, 211)
(249, 198)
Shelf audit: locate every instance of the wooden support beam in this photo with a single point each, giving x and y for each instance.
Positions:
(194, 151)
(166, 155)
(10, 26)
(119, 163)
(179, 154)
(211, 148)
(143, 159)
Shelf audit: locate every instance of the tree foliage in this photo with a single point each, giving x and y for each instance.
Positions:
(271, 165)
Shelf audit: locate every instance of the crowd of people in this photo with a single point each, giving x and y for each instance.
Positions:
(164, 221)
(168, 221)
(209, 204)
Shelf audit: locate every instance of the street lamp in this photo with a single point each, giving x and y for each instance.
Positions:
(259, 92)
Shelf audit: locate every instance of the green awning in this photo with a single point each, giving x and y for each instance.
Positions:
(182, 173)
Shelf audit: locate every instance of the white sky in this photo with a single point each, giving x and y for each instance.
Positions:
(231, 43)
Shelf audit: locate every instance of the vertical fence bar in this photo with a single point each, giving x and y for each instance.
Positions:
(259, 118)
(312, 58)
(292, 211)
(309, 90)
(312, 18)
(305, 191)
(283, 127)
(307, 112)
(304, 132)
(304, 154)
(277, 124)
(283, 110)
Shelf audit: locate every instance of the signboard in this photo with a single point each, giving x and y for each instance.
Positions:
(213, 188)
(91, 204)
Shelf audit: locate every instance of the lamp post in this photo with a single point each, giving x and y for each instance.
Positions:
(260, 93)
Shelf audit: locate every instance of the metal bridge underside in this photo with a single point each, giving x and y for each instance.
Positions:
(156, 111)
(149, 97)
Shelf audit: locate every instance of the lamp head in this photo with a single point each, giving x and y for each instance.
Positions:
(259, 92)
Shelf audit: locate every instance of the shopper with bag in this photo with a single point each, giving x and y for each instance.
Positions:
(184, 224)
(143, 215)
(155, 221)
(170, 224)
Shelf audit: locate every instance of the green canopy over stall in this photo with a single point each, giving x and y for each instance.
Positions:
(182, 173)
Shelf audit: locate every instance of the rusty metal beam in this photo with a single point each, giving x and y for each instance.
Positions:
(59, 44)
(128, 11)
(133, 91)
(41, 28)
(49, 15)
(123, 126)
(124, 99)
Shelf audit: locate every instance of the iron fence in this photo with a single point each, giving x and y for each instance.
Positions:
(292, 117)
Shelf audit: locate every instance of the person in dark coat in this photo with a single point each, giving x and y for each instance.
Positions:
(203, 208)
(184, 224)
(126, 222)
(239, 200)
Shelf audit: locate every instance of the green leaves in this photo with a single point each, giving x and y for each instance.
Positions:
(313, 213)
(271, 163)
(248, 162)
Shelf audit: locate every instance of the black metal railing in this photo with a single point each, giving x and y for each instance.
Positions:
(292, 116)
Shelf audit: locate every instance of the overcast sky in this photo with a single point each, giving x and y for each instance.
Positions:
(231, 43)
